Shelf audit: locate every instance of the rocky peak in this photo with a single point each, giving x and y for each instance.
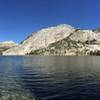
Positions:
(44, 37)
(41, 39)
(85, 35)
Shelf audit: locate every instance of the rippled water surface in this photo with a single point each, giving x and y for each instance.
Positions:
(49, 78)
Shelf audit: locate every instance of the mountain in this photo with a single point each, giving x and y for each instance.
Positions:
(6, 45)
(41, 39)
(59, 40)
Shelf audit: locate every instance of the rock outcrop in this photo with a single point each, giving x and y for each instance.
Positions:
(41, 39)
(60, 40)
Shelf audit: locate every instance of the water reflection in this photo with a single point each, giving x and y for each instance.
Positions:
(51, 78)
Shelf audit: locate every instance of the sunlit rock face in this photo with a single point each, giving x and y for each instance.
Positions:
(41, 39)
(59, 40)
(85, 35)
(6, 45)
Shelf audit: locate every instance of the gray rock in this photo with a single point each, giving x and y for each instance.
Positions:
(6, 45)
(59, 40)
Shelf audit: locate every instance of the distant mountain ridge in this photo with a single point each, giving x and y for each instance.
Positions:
(6, 45)
(59, 40)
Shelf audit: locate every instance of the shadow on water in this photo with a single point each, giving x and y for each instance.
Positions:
(51, 78)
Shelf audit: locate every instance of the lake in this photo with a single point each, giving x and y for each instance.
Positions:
(49, 78)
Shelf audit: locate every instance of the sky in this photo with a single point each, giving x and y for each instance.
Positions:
(19, 18)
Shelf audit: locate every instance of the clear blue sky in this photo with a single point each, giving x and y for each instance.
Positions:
(18, 18)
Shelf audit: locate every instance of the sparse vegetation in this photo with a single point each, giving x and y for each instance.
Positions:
(95, 53)
(61, 47)
(2, 49)
(96, 30)
(91, 41)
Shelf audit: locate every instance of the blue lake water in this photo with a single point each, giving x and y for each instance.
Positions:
(49, 78)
